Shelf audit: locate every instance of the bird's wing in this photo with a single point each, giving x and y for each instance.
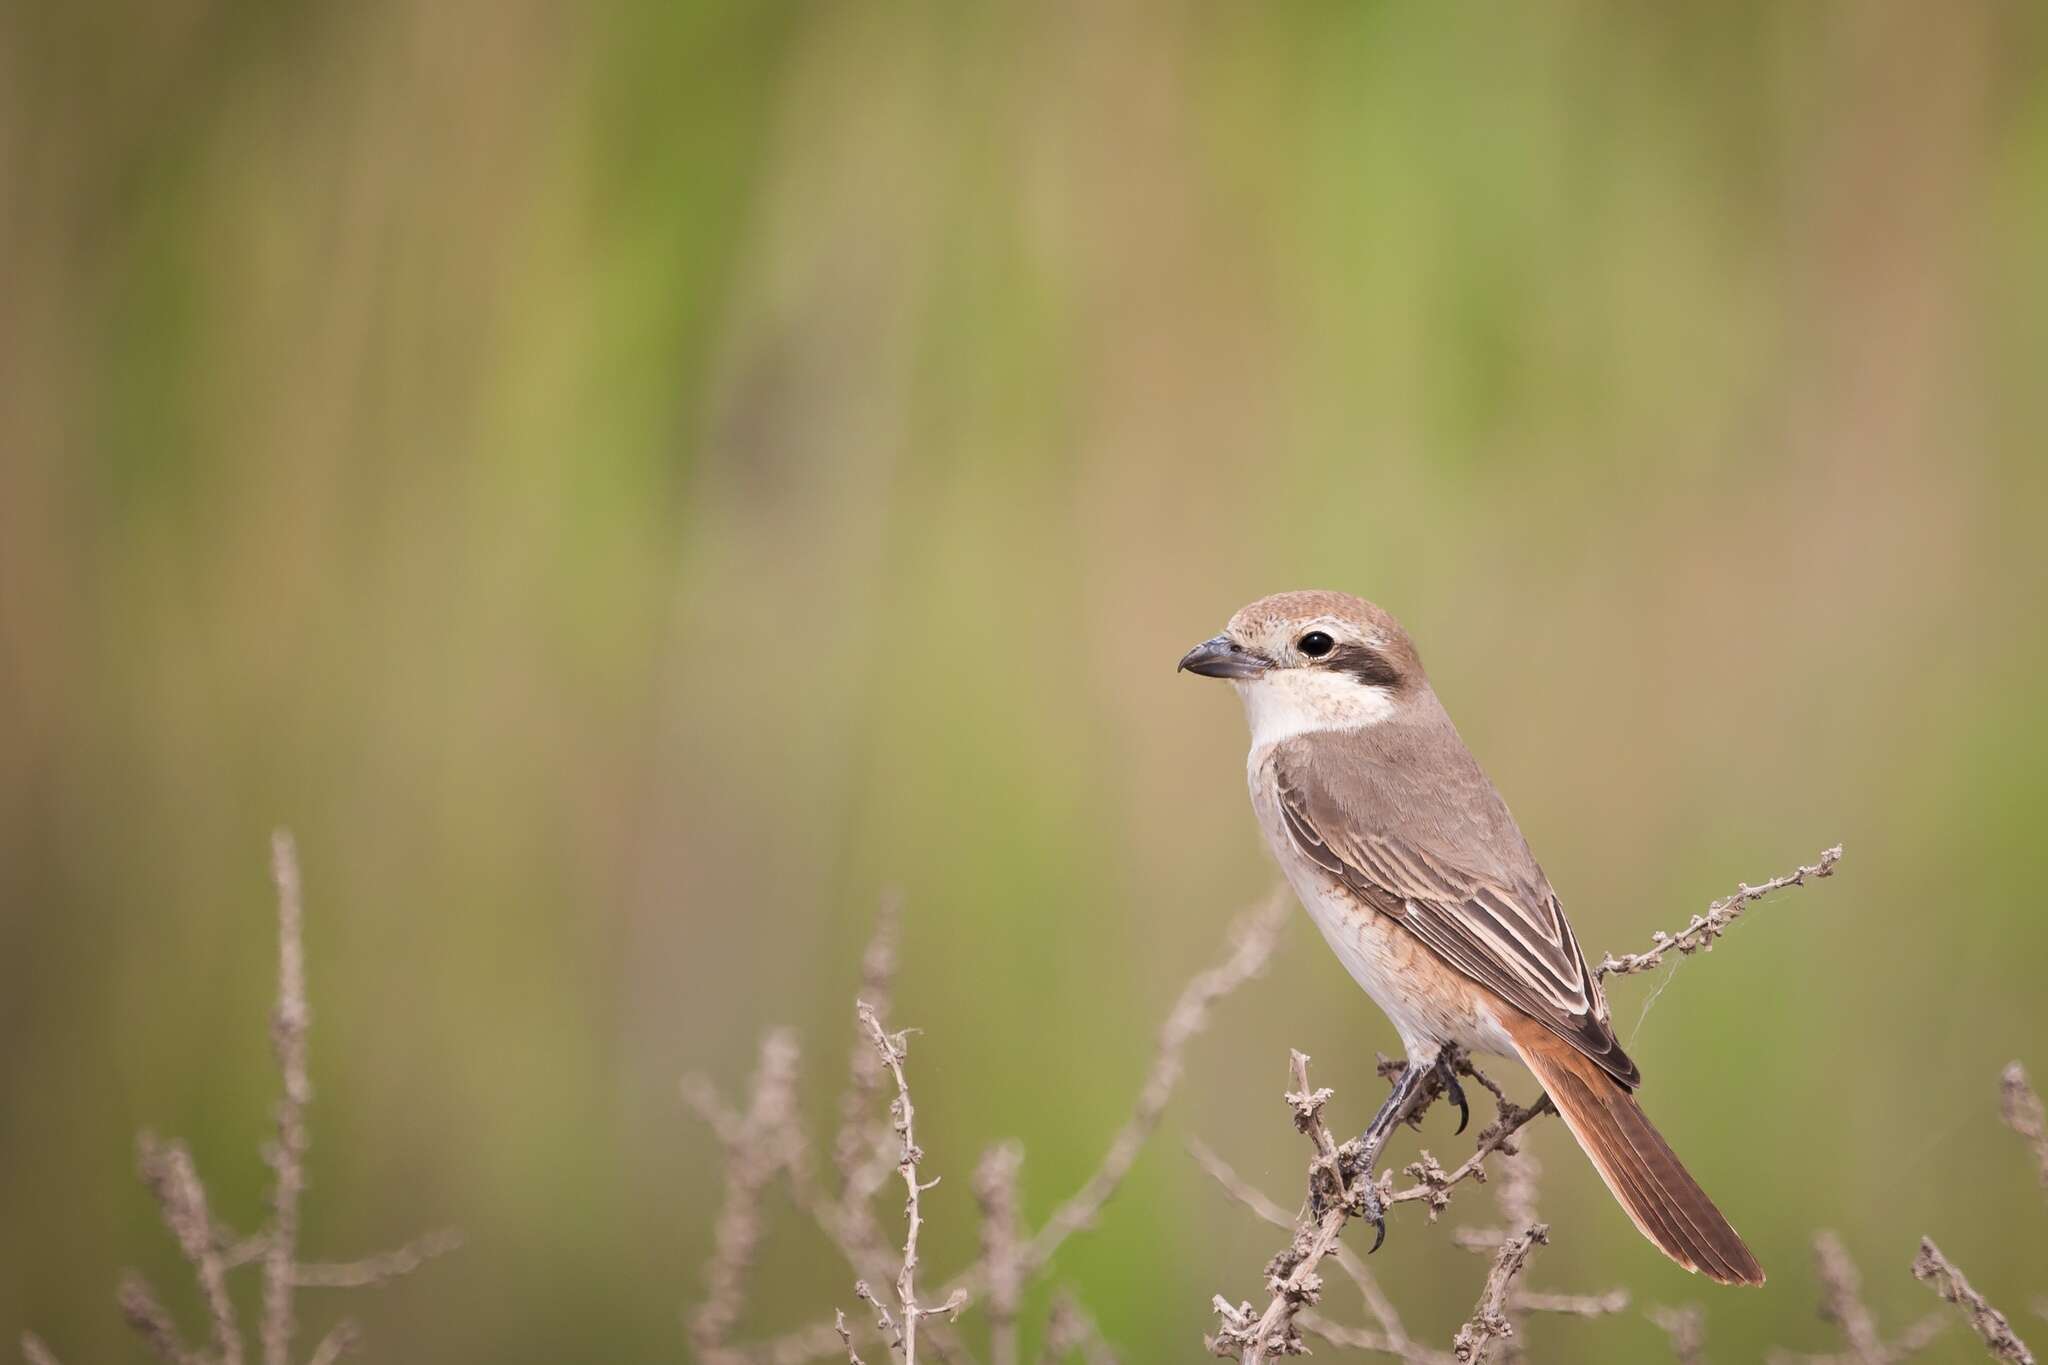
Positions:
(1489, 914)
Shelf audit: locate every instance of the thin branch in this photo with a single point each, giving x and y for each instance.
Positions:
(884, 1323)
(1433, 1184)
(1292, 1275)
(860, 1149)
(1570, 1305)
(1252, 941)
(1842, 1299)
(341, 1339)
(995, 1189)
(1069, 1329)
(2024, 1115)
(1686, 1328)
(1376, 1301)
(1253, 938)
(1489, 1323)
(755, 1151)
(1841, 1303)
(209, 1245)
(144, 1312)
(287, 1154)
(1933, 1268)
(1704, 929)
(846, 1336)
(1365, 1339)
(797, 1347)
(894, 1049)
(375, 1270)
(166, 1168)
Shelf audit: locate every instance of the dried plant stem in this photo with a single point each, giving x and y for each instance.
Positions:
(1686, 1329)
(894, 1049)
(166, 1168)
(1392, 1334)
(1011, 1258)
(1489, 1323)
(1933, 1268)
(1252, 945)
(995, 1189)
(375, 1270)
(341, 1339)
(287, 1154)
(1433, 1184)
(145, 1313)
(1704, 929)
(1292, 1275)
(1841, 1303)
(1365, 1339)
(2024, 1115)
(1069, 1329)
(1842, 1299)
(846, 1336)
(209, 1245)
(756, 1150)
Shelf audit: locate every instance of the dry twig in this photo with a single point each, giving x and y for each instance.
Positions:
(1292, 1275)
(208, 1245)
(1252, 940)
(756, 1148)
(1069, 1329)
(1686, 1328)
(1841, 1303)
(995, 1189)
(1391, 1331)
(1704, 929)
(1933, 1268)
(846, 1336)
(894, 1048)
(166, 1168)
(2024, 1115)
(287, 1154)
(341, 1340)
(1010, 1255)
(1489, 1323)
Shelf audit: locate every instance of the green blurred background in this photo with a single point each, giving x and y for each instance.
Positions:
(628, 483)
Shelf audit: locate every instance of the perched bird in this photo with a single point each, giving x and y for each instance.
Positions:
(1408, 861)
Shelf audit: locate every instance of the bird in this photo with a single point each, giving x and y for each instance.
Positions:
(1406, 857)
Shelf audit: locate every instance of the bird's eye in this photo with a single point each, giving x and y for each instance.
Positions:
(1315, 644)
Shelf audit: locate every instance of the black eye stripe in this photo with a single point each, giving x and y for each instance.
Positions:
(1364, 663)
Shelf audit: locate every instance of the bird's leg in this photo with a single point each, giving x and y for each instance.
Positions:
(1408, 1092)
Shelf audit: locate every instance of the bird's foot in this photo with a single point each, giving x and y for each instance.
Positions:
(1447, 1077)
(1355, 1188)
(1367, 1197)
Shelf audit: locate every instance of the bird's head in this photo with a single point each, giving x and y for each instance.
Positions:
(1307, 661)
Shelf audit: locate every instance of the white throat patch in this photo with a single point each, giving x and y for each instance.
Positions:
(1299, 701)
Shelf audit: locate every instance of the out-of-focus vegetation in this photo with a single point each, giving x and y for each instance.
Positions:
(627, 483)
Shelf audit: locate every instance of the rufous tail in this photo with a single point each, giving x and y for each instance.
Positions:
(1639, 1167)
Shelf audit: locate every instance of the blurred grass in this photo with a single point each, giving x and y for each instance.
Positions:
(628, 484)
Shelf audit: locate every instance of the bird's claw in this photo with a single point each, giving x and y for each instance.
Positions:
(1447, 1075)
(1374, 1213)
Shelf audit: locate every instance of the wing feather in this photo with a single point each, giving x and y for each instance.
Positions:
(1505, 931)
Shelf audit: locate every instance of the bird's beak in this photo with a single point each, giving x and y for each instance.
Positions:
(1224, 657)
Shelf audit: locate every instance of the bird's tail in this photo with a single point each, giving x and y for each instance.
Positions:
(1665, 1203)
